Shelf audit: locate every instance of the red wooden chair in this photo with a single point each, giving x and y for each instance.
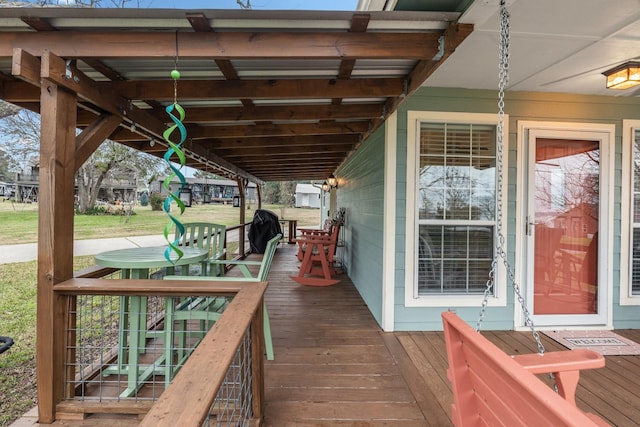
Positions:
(317, 253)
(306, 233)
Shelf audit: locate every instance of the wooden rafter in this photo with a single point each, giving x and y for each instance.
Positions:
(229, 45)
(253, 106)
(259, 89)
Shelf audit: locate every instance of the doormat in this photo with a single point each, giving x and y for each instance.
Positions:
(607, 343)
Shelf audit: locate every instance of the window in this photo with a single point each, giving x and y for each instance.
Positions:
(630, 260)
(452, 175)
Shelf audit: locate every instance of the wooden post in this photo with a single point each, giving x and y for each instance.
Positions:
(241, 231)
(259, 192)
(257, 367)
(55, 240)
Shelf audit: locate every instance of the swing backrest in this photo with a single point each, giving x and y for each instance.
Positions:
(492, 389)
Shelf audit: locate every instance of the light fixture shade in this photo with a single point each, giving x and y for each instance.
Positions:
(325, 186)
(332, 181)
(624, 76)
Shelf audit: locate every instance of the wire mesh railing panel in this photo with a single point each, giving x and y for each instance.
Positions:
(233, 403)
(131, 347)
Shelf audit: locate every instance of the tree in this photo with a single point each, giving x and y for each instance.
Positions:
(20, 138)
(5, 174)
(288, 193)
(271, 193)
(111, 160)
(7, 109)
(280, 193)
(115, 161)
(204, 175)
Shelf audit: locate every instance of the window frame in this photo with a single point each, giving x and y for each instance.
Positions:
(629, 127)
(414, 119)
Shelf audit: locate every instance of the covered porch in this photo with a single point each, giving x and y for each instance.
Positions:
(334, 366)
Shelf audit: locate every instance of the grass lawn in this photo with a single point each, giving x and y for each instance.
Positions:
(20, 221)
(18, 280)
(18, 320)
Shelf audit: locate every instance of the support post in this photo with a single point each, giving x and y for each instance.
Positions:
(241, 248)
(55, 240)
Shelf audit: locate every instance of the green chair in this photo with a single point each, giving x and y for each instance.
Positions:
(205, 310)
(261, 276)
(205, 235)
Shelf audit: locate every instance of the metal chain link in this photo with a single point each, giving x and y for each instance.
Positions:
(503, 80)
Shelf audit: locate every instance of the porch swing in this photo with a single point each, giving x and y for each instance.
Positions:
(489, 387)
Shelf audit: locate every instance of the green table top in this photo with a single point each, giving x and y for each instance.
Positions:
(148, 257)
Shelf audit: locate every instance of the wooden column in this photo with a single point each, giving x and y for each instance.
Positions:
(259, 191)
(241, 248)
(55, 239)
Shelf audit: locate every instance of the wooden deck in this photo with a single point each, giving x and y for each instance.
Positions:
(334, 366)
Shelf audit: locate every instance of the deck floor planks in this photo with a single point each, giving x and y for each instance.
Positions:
(420, 378)
(334, 366)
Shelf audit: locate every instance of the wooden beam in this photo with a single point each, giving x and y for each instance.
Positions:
(26, 67)
(18, 92)
(92, 136)
(38, 24)
(54, 69)
(283, 112)
(453, 36)
(307, 150)
(55, 241)
(359, 24)
(227, 45)
(200, 24)
(268, 130)
(281, 141)
(328, 157)
(258, 89)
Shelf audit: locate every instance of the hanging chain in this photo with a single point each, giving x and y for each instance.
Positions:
(175, 67)
(503, 80)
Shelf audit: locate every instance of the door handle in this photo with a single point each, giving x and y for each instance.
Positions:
(528, 226)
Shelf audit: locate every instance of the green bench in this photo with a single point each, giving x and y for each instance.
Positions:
(184, 311)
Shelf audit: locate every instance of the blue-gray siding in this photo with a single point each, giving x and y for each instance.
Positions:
(362, 194)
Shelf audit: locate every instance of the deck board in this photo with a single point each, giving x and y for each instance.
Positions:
(335, 367)
(332, 318)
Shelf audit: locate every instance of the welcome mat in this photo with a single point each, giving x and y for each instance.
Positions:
(607, 343)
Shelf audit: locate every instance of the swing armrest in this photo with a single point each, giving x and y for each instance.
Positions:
(560, 361)
(565, 366)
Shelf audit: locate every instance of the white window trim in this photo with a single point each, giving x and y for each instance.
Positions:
(389, 238)
(414, 118)
(628, 128)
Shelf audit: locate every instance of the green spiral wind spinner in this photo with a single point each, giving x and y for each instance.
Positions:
(175, 172)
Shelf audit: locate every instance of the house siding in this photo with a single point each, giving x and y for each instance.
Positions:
(361, 193)
(519, 106)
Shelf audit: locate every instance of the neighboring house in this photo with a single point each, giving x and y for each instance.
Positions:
(26, 189)
(308, 196)
(421, 191)
(7, 190)
(204, 190)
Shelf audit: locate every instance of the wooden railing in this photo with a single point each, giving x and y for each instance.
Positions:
(237, 334)
(243, 242)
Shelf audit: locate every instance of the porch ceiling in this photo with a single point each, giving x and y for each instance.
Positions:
(269, 95)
